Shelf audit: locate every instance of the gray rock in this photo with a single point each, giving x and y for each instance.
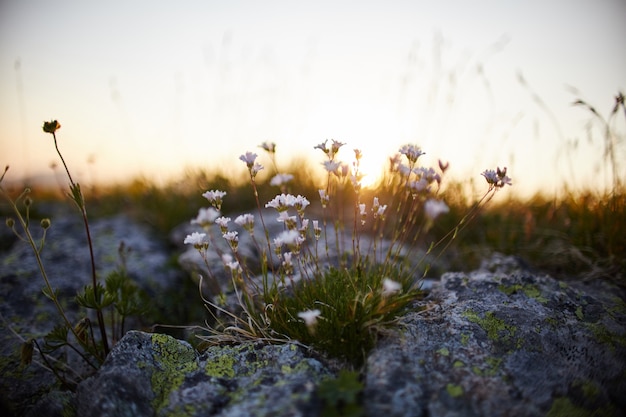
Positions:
(157, 375)
(499, 341)
(503, 344)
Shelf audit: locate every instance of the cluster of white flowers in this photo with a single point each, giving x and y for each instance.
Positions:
(331, 150)
(378, 210)
(290, 242)
(283, 202)
(296, 227)
(411, 152)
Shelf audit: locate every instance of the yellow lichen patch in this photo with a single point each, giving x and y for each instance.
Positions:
(221, 366)
(531, 291)
(454, 390)
(175, 360)
(563, 407)
(496, 328)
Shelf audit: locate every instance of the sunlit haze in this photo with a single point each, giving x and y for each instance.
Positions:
(154, 87)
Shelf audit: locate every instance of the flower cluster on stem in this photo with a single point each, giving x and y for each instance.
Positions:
(296, 280)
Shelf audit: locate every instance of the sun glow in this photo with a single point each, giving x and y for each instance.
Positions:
(372, 168)
(373, 127)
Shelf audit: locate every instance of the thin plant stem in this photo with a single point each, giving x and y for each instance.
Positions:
(78, 198)
(37, 252)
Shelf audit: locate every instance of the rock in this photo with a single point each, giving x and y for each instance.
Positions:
(499, 341)
(503, 344)
(157, 375)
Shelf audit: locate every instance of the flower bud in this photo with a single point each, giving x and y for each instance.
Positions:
(81, 329)
(45, 223)
(10, 222)
(51, 126)
(28, 201)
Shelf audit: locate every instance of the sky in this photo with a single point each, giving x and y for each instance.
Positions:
(152, 88)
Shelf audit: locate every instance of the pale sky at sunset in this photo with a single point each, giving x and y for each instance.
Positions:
(153, 87)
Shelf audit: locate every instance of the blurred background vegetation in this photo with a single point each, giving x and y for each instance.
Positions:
(577, 234)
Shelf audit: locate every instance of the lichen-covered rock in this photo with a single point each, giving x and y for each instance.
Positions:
(499, 341)
(503, 344)
(157, 375)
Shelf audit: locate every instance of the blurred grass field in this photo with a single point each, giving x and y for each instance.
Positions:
(578, 234)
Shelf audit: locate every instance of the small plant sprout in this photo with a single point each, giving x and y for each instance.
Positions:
(338, 299)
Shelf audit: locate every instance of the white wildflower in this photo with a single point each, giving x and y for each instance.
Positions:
(289, 237)
(206, 216)
(362, 213)
(222, 222)
(281, 202)
(300, 203)
(433, 208)
(197, 240)
(310, 318)
(215, 198)
(332, 166)
(246, 221)
(411, 152)
(268, 146)
(281, 179)
(317, 231)
(390, 287)
(232, 239)
(324, 198)
(248, 158)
